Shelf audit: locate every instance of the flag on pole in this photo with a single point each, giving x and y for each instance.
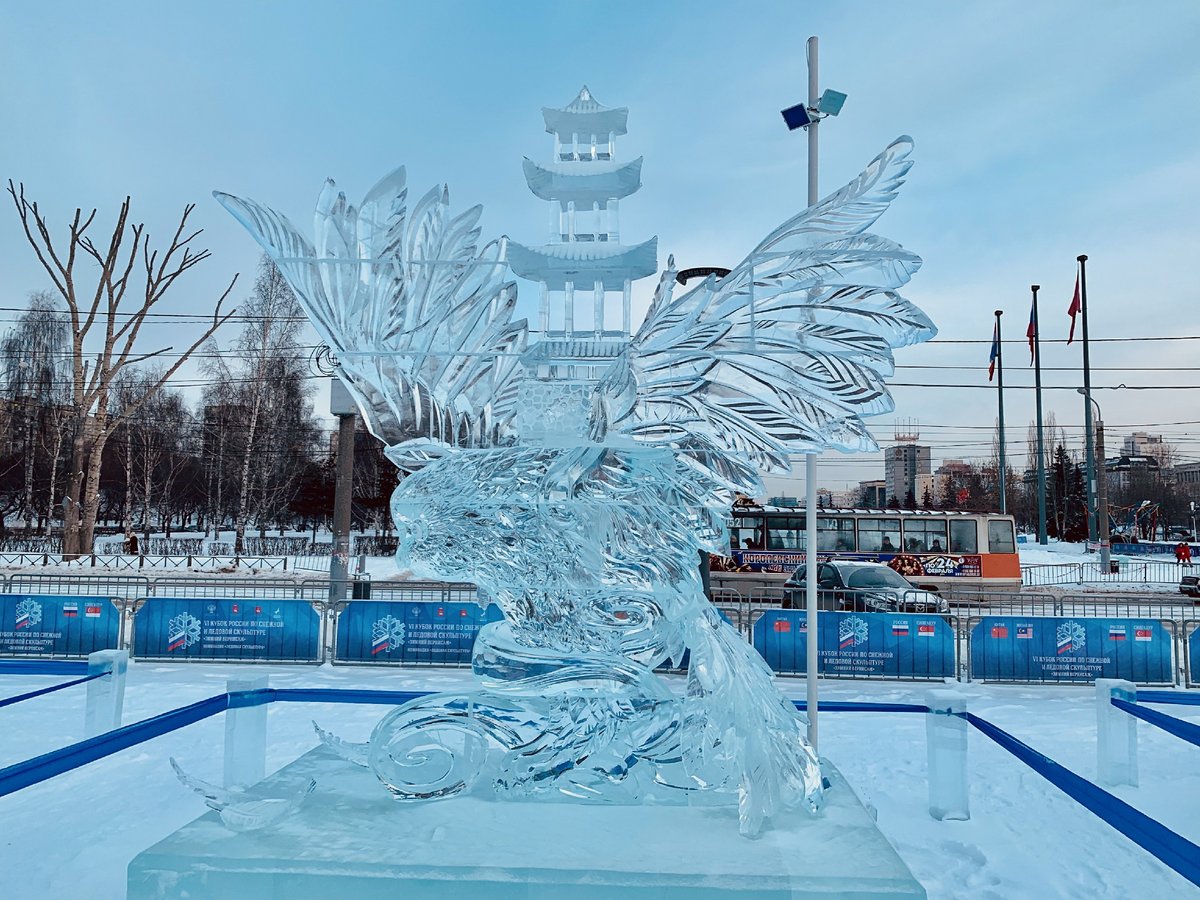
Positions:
(1032, 330)
(995, 351)
(1074, 309)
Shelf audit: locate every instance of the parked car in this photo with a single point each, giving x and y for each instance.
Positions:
(1190, 585)
(845, 585)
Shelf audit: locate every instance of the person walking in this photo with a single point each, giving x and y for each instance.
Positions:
(1185, 554)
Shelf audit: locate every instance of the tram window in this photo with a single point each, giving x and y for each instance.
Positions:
(1000, 536)
(879, 535)
(785, 533)
(746, 532)
(964, 536)
(925, 536)
(835, 535)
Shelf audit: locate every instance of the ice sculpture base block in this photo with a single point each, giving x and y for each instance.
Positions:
(350, 839)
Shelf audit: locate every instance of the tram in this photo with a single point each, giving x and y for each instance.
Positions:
(937, 550)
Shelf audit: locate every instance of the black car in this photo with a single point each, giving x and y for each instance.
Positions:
(1190, 585)
(862, 587)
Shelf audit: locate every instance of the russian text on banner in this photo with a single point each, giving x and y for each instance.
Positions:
(227, 629)
(853, 644)
(1036, 648)
(52, 625)
(410, 632)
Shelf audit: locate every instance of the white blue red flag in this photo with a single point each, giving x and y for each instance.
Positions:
(995, 351)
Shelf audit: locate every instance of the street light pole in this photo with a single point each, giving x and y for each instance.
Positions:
(810, 459)
(1101, 488)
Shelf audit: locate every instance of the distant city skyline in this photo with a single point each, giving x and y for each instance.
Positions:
(1041, 133)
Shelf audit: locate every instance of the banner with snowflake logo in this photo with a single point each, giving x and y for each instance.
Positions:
(1042, 648)
(411, 632)
(227, 629)
(864, 645)
(57, 625)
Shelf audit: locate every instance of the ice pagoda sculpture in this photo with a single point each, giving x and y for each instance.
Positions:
(574, 480)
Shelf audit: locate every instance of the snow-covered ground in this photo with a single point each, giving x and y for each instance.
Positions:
(74, 835)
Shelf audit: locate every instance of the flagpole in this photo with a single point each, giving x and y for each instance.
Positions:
(1041, 447)
(1000, 395)
(1087, 404)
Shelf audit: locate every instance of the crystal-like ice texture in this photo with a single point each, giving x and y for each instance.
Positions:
(576, 482)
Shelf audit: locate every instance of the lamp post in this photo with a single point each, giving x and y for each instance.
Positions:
(1101, 487)
(807, 116)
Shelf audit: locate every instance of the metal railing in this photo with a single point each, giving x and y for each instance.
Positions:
(1149, 571)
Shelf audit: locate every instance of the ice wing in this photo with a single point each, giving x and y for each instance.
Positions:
(417, 314)
(790, 350)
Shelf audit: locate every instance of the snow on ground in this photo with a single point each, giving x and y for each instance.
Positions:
(74, 835)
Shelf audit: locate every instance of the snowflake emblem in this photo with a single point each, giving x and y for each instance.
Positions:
(1070, 638)
(183, 631)
(852, 631)
(387, 634)
(29, 613)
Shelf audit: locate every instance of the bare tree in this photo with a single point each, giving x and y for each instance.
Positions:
(269, 344)
(125, 261)
(34, 356)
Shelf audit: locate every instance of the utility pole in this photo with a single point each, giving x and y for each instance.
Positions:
(342, 406)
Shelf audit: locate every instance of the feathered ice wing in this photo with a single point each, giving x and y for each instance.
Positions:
(785, 354)
(418, 316)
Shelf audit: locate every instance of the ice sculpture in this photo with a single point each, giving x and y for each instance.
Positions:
(585, 524)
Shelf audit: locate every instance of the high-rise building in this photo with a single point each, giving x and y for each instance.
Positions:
(901, 466)
(1142, 444)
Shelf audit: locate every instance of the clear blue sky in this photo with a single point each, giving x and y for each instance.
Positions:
(1042, 131)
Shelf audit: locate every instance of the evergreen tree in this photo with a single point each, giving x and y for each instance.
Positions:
(910, 501)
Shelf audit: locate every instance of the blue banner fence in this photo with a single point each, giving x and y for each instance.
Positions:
(1072, 649)
(1147, 639)
(57, 625)
(228, 629)
(859, 645)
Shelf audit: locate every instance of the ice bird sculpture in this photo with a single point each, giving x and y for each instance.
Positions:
(586, 529)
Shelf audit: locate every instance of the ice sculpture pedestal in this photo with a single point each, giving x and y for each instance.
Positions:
(350, 839)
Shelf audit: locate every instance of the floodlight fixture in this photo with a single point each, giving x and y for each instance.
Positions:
(796, 117)
(830, 103)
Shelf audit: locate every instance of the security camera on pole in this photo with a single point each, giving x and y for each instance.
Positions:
(808, 116)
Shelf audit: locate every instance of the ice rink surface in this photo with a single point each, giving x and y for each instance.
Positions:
(74, 835)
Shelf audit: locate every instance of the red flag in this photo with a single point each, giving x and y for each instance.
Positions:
(1032, 330)
(1074, 310)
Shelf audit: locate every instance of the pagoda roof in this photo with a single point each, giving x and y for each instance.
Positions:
(585, 115)
(589, 181)
(584, 262)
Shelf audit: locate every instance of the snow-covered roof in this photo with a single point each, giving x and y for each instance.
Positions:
(585, 115)
(586, 182)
